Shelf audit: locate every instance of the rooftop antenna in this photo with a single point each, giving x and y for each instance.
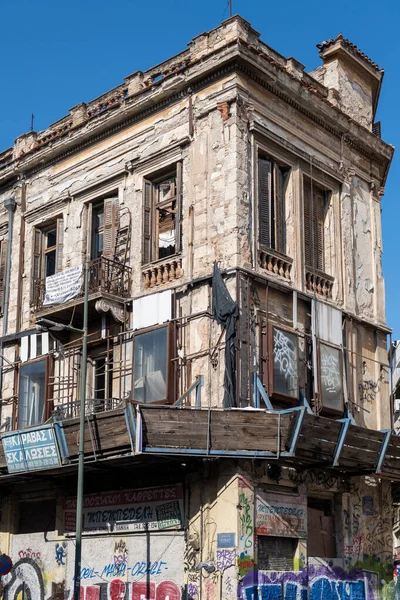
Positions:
(230, 7)
(32, 121)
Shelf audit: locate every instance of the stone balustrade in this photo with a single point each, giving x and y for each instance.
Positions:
(319, 282)
(162, 272)
(276, 263)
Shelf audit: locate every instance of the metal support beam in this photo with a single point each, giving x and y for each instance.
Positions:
(58, 428)
(296, 431)
(304, 402)
(199, 381)
(258, 390)
(383, 449)
(130, 424)
(139, 432)
(340, 443)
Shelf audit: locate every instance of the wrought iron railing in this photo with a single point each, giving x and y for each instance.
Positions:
(105, 275)
(71, 410)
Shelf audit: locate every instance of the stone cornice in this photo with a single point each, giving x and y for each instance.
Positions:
(236, 56)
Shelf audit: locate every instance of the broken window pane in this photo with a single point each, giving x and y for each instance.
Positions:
(321, 541)
(32, 385)
(150, 366)
(285, 377)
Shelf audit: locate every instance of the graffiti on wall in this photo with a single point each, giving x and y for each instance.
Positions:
(323, 582)
(246, 527)
(27, 578)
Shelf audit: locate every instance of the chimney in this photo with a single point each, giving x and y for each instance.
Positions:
(353, 80)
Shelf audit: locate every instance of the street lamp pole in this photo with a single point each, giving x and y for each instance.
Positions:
(81, 454)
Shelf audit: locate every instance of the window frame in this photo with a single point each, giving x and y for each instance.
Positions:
(151, 183)
(110, 201)
(170, 384)
(327, 409)
(317, 242)
(48, 387)
(269, 355)
(276, 238)
(39, 251)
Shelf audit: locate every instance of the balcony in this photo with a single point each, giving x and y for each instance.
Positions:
(107, 277)
(319, 282)
(275, 263)
(93, 406)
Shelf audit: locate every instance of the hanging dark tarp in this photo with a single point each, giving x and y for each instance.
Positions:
(225, 312)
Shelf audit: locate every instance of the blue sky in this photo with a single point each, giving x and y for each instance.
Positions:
(57, 54)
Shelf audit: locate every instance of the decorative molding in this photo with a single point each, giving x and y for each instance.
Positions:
(46, 211)
(104, 306)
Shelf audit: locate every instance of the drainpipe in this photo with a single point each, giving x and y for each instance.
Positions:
(9, 204)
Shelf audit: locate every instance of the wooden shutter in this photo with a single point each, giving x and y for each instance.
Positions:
(279, 220)
(178, 207)
(264, 201)
(308, 228)
(319, 208)
(111, 223)
(3, 269)
(147, 208)
(59, 245)
(37, 254)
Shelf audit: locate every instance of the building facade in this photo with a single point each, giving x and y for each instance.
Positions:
(226, 208)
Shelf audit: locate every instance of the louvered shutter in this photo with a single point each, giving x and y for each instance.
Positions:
(147, 206)
(59, 245)
(308, 227)
(319, 208)
(178, 207)
(111, 224)
(264, 201)
(3, 267)
(279, 221)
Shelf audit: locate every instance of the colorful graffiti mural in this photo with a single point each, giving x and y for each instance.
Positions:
(322, 582)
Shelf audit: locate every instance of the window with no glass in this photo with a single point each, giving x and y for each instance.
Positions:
(321, 540)
(162, 200)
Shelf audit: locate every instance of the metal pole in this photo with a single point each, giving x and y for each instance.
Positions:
(81, 463)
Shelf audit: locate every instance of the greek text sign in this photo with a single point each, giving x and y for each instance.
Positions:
(34, 448)
(155, 508)
(63, 286)
(281, 515)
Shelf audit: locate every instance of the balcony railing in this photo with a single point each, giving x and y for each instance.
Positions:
(105, 276)
(319, 282)
(70, 410)
(275, 262)
(162, 272)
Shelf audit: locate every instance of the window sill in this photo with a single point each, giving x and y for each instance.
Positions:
(163, 271)
(275, 262)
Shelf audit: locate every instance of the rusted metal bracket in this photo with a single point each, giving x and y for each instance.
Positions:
(341, 439)
(383, 449)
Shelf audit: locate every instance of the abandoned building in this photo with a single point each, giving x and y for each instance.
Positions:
(225, 209)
